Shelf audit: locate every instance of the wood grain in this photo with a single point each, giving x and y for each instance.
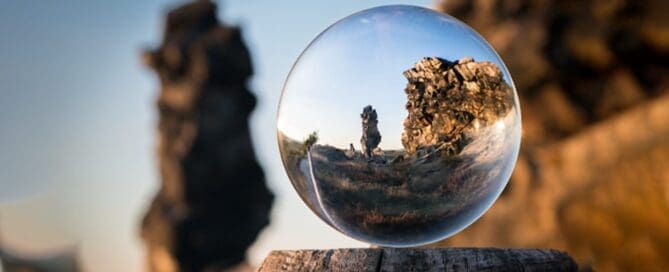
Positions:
(419, 259)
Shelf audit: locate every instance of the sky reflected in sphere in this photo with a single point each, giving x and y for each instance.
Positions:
(399, 126)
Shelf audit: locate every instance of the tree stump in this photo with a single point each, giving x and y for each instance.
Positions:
(419, 259)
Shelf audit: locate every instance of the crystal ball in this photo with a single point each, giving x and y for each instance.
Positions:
(399, 126)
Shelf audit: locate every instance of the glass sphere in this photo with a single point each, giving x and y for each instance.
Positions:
(399, 126)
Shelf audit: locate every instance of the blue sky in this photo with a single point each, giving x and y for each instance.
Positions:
(77, 120)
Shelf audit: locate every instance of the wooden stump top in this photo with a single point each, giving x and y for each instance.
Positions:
(419, 259)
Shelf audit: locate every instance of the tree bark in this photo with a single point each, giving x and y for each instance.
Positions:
(419, 259)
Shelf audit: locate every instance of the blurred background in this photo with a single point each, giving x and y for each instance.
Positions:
(92, 141)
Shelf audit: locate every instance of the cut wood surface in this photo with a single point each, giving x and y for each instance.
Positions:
(419, 259)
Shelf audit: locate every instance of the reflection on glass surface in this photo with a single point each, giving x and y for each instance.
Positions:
(399, 126)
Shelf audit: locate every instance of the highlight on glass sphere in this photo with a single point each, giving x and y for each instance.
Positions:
(399, 126)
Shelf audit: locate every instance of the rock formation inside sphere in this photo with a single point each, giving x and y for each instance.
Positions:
(454, 162)
(446, 98)
(370, 131)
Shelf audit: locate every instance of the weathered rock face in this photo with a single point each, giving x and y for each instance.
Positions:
(445, 98)
(371, 137)
(573, 62)
(593, 81)
(213, 200)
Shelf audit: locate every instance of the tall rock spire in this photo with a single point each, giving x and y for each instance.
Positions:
(213, 200)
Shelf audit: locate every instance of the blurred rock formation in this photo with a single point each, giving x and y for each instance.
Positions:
(213, 200)
(65, 261)
(593, 80)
